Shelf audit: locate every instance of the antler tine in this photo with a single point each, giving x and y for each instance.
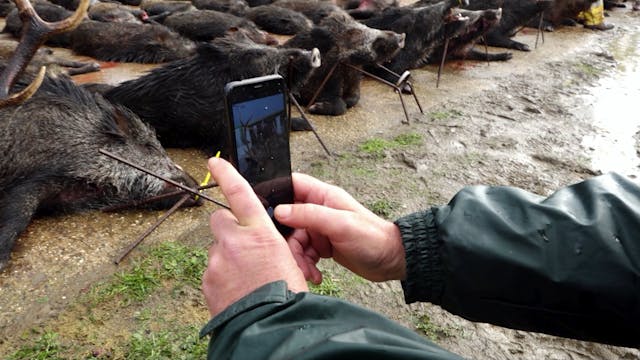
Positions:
(34, 33)
(26, 93)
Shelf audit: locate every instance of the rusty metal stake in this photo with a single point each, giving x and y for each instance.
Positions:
(406, 81)
(324, 82)
(486, 49)
(444, 56)
(172, 182)
(540, 31)
(133, 245)
(396, 88)
(301, 111)
(151, 199)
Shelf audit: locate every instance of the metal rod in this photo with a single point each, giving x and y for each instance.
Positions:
(415, 97)
(137, 242)
(444, 56)
(397, 89)
(313, 129)
(172, 182)
(486, 49)
(539, 29)
(324, 82)
(136, 203)
(404, 108)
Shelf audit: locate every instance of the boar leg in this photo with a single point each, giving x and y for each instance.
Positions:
(474, 54)
(351, 88)
(19, 204)
(500, 40)
(329, 101)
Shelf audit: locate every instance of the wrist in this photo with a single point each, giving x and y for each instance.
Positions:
(396, 255)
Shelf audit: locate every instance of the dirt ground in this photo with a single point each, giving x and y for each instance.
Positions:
(532, 122)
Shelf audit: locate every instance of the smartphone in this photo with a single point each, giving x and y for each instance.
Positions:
(259, 127)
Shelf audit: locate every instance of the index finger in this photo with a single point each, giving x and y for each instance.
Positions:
(308, 189)
(243, 201)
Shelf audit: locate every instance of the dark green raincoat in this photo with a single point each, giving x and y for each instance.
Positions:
(567, 265)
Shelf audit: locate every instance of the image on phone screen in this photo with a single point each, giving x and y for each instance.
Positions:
(261, 137)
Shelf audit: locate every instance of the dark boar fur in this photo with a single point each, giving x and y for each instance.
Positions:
(254, 3)
(278, 20)
(206, 25)
(184, 100)
(461, 46)
(342, 40)
(51, 163)
(48, 12)
(425, 26)
(5, 7)
(129, 42)
(67, 4)
(236, 7)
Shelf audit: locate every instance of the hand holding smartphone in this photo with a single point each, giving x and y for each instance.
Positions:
(259, 127)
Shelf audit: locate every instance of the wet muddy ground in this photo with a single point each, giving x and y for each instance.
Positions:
(544, 119)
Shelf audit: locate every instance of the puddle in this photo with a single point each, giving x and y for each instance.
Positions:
(614, 105)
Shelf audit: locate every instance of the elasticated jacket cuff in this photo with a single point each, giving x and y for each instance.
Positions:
(424, 281)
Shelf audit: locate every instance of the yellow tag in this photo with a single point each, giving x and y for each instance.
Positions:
(207, 177)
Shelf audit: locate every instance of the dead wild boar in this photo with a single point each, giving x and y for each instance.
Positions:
(115, 12)
(129, 42)
(515, 15)
(51, 162)
(278, 20)
(561, 13)
(341, 41)
(160, 9)
(206, 25)
(183, 100)
(425, 27)
(461, 45)
(44, 57)
(46, 11)
(316, 10)
(364, 9)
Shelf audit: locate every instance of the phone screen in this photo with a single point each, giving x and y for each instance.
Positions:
(260, 131)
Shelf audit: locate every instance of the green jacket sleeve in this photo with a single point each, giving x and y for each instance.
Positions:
(567, 265)
(274, 323)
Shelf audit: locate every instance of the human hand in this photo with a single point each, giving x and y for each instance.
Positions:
(330, 223)
(248, 252)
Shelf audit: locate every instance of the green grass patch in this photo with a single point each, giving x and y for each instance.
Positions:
(588, 69)
(444, 115)
(409, 139)
(433, 331)
(377, 146)
(328, 287)
(182, 343)
(382, 208)
(47, 347)
(168, 261)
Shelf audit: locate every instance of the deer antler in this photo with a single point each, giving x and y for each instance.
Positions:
(34, 33)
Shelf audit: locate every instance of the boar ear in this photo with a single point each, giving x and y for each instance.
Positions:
(122, 121)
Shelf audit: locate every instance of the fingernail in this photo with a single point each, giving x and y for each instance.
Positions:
(282, 211)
